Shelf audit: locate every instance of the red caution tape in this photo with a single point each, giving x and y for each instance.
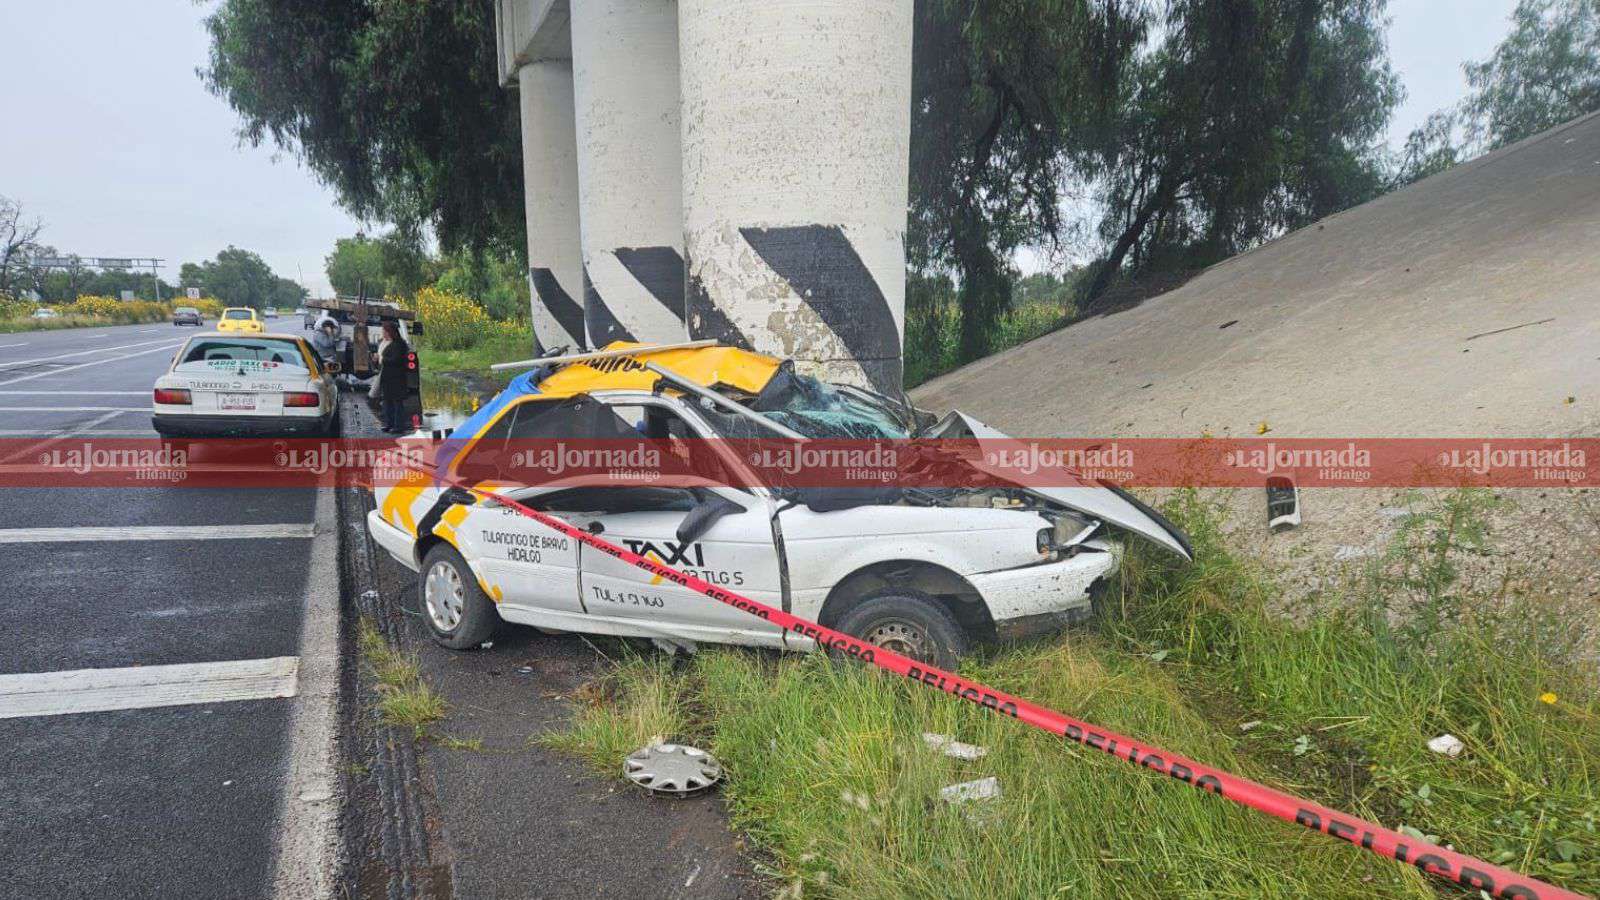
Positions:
(1431, 859)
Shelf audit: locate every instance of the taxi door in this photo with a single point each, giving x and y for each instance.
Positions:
(737, 552)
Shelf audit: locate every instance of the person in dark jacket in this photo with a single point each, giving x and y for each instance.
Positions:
(392, 378)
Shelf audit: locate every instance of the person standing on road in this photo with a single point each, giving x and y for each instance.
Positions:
(375, 392)
(392, 378)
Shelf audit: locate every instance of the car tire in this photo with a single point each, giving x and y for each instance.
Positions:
(455, 609)
(909, 624)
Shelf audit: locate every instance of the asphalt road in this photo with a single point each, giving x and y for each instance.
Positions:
(180, 799)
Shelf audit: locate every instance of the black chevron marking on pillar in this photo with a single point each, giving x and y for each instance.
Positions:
(706, 321)
(568, 314)
(826, 272)
(603, 326)
(660, 270)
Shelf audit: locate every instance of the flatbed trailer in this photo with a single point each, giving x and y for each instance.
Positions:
(359, 360)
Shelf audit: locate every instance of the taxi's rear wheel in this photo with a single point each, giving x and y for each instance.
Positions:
(910, 625)
(458, 614)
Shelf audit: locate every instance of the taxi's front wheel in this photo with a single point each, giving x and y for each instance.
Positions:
(459, 615)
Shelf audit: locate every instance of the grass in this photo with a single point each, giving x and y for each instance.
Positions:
(404, 699)
(829, 774)
(502, 345)
(933, 335)
(16, 326)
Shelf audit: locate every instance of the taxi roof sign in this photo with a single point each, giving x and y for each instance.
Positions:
(709, 366)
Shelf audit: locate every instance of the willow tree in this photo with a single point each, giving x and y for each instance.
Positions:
(1246, 118)
(396, 106)
(1005, 95)
(1545, 72)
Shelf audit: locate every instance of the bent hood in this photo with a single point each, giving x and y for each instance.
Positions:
(1098, 500)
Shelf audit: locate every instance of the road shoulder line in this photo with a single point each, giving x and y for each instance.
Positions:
(307, 861)
(99, 534)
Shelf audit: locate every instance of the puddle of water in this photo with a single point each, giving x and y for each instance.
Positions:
(447, 403)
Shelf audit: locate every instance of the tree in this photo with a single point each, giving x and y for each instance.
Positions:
(499, 285)
(239, 278)
(397, 106)
(1250, 117)
(389, 265)
(1005, 93)
(19, 236)
(1545, 72)
(1431, 148)
(356, 264)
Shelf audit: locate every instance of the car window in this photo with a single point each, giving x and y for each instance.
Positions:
(605, 501)
(252, 352)
(186, 309)
(237, 314)
(535, 425)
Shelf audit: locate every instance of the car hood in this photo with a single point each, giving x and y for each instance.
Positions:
(1097, 499)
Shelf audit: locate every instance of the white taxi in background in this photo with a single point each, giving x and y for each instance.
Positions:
(222, 385)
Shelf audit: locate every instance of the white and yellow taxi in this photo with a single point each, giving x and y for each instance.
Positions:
(925, 571)
(222, 385)
(240, 320)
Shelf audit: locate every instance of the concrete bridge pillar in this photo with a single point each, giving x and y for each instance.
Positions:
(550, 189)
(630, 174)
(796, 137)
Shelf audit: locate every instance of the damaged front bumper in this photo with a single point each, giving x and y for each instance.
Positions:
(1049, 596)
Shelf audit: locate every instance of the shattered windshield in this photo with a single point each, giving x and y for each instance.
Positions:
(817, 409)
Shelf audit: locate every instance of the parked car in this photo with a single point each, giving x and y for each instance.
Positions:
(45, 312)
(240, 319)
(187, 315)
(226, 385)
(925, 572)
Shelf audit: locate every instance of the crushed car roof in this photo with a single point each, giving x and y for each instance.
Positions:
(709, 367)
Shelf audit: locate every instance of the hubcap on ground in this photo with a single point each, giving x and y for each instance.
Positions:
(672, 769)
(901, 637)
(443, 594)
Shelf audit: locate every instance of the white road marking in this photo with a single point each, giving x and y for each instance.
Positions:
(21, 344)
(117, 409)
(57, 433)
(92, 362)
(142, 687)
(75, 431)
(81, 393)
(156, 533)
(308, 861)
(40, 359)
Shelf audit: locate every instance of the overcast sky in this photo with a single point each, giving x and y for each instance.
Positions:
(110, 137)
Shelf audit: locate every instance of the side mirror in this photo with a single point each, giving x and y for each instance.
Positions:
(707, 512)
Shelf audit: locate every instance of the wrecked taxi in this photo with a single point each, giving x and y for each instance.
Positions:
(924, 571)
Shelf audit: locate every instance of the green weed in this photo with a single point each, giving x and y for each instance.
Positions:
(828, 771)
(404, 699)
